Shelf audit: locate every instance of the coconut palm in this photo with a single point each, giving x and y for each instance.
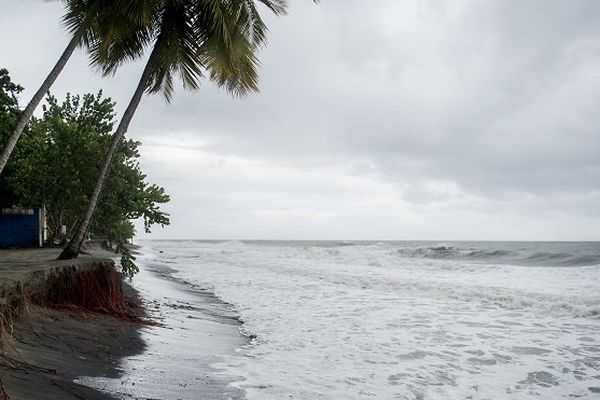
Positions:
(93, 24)
(216, 39)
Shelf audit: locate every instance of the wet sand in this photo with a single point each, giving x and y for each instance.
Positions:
(194, 329)
(49, 348)
(58, 354)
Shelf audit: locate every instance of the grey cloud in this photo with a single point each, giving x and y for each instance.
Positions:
(494, 102)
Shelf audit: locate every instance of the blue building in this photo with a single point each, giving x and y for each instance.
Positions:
(22, 227)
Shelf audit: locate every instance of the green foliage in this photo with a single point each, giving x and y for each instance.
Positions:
(9, 114)
(57, 162)
(128, 265)
(8, 97)
(96, 23)
(188, 38)
(193, 39)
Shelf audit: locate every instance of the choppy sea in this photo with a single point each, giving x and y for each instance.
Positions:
(403, 320)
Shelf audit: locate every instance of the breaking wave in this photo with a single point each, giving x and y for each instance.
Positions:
(521, 256)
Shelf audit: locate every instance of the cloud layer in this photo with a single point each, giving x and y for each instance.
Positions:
(409, 120)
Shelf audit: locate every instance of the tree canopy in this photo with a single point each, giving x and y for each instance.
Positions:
(188, 38)
(9, 114)
(94, 24)
(56, 163)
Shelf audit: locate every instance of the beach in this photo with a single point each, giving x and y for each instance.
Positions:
(307, 200)
(324, 319)
(194, 330)
(71, 353)
(49, 349)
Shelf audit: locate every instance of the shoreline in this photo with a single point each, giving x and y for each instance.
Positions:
(194, 329)
(50, 348)
(53, 331)
(72, 353)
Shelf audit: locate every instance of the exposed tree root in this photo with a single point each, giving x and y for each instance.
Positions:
(14, 364)
(6, 326)
(80, 292)
(99, 290)
(83, 290)
(3, 393)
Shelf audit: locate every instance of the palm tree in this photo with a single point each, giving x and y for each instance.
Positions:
(190, 38)
(93, 24)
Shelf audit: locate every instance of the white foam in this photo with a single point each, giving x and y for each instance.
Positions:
(358, 321)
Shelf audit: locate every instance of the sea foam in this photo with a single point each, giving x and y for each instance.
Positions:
(397, 320)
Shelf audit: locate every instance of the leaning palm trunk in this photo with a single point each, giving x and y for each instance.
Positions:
(35, 101)
(74, 246)
(189, 36)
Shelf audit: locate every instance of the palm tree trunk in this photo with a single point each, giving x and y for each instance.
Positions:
(74, 246)
(35, 101)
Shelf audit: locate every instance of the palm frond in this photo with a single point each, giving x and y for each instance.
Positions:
(176, 46)
(190, 39)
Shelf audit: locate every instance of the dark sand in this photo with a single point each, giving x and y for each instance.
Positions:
(50, 348)
(61, 354)
(195, 329)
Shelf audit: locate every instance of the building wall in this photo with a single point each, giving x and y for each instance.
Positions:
(21, 227)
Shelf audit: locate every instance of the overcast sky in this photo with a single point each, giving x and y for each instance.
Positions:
(377, 119)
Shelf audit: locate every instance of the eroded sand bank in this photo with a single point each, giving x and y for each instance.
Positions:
(75, 353)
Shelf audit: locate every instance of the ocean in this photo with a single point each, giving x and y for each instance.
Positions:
(401, 320)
